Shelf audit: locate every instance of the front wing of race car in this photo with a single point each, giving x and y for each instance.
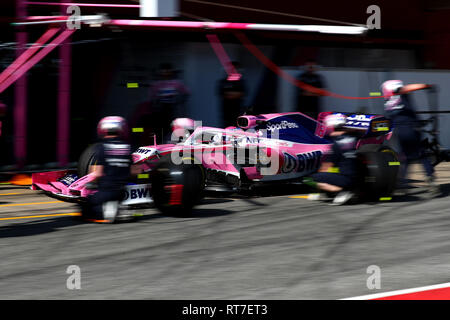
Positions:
(66, 186)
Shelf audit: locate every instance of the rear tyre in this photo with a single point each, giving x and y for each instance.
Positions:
(176, 189)
(378, 168)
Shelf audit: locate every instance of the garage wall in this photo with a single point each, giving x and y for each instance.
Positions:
(359, 83)
(200, 70)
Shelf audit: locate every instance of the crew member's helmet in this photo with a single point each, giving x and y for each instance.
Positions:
(182, 128)
(335, 121)
(112, 126)
(390, 87)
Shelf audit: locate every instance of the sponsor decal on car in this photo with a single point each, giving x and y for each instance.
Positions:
(142, 153)
(137, 194)
(301, 162)
(144, 150)
(358, 120)
(281, 126)
(68, 179)
(382, 125)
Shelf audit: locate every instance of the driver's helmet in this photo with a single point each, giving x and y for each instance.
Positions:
(182, 128)
(335, 121)
(112, 126)
(390, 87)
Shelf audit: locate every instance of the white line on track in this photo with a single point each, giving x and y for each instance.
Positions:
(399, 292)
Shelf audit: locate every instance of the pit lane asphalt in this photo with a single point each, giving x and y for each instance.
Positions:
(274, 247)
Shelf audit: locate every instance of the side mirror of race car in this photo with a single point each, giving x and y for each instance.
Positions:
(247, 122)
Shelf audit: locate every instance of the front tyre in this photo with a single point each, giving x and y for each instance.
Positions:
(87, 159)
(176, 189)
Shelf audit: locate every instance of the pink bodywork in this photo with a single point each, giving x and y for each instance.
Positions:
(213, 155)
(48, 181)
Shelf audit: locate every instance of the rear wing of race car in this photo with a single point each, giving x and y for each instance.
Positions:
(370, 125)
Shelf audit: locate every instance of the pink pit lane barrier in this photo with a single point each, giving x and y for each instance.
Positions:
(178, 24)
(223, 57)
(34, 18)
(97, 5)
(35, 59)
(27, 54)
(62, 148)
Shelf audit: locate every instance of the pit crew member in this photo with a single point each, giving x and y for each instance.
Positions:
(337, 174)
(398, 107)
(112, 171)
(168, 96)
(182, 128)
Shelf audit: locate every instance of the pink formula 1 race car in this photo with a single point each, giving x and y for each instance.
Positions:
(262, 149)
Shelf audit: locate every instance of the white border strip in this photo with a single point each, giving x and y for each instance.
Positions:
(92, 19)
(399, 292)
(309, 28)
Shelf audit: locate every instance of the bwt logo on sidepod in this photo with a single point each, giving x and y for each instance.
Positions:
(301, 162)
(280, 126)
(138, 193)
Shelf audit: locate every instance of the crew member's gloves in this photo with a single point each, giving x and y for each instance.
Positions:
(309, 182)
(431, 87)
(91, 185)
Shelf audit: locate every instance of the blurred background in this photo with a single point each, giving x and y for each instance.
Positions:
(119, 69)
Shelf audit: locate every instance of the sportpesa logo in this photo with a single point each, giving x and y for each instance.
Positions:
(280, 126)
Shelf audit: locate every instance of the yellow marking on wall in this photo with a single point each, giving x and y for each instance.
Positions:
(132, 85)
